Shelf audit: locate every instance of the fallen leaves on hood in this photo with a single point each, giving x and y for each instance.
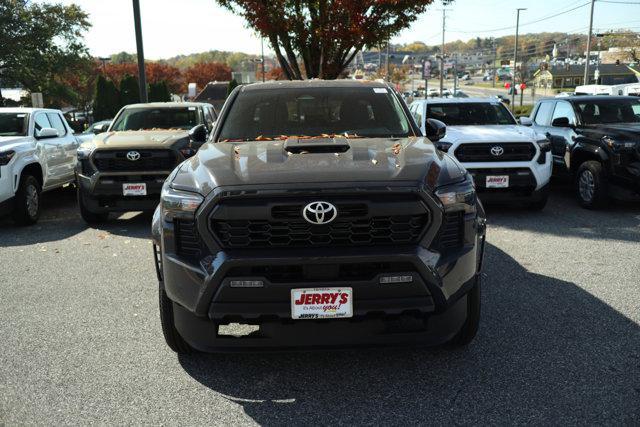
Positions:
(396, 148)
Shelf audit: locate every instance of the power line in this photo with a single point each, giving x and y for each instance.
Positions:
(526, 23)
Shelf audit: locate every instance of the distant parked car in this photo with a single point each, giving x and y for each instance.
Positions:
(95, 129)
(596, 141)
(37, 154)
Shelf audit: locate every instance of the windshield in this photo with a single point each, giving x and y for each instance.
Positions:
(470, 113)
(145, 118)
(315, 112)
(13, 124)
(624, 110)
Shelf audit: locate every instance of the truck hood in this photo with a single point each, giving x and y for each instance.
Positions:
(490, 133)
(139, 139)
(623, 131)
(11, 142)
(412, 159)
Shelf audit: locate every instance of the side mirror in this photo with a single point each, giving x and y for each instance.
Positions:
(46, 133)
(101, 128)
(436, 130)
(525, 121)
(561, 122)
(198, 134)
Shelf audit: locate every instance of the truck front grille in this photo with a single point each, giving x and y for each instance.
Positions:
(255, 224)
(187, 240)
(149, 160)
(511, 152)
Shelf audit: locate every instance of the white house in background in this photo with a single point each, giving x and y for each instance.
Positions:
(14, 94)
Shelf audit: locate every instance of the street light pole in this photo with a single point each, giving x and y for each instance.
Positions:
(586, 64)
(444, 17)
(515, 59)
(142, 79)
(262, 52)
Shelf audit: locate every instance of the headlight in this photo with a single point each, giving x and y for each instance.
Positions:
(6, 156)
(618, 145)
(84, 151)
(459, 196)
(178, 203)
(544, 144)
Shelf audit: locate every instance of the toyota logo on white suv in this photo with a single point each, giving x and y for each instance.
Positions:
(319, 213)
(497, 151)
(133, 156)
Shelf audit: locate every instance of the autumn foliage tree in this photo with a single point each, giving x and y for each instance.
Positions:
(325, 34)
(205, 72)
(156, 72)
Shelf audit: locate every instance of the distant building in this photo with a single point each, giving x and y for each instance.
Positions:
(570, 76)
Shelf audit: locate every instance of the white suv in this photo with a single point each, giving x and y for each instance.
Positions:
(37, 153)
(509, 162)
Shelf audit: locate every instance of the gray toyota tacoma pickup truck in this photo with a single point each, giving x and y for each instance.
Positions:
(317, 215)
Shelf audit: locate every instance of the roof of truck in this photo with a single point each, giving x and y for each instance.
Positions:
(314, 83)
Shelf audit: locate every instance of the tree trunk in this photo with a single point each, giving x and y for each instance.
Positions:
(291, 56)
(283, 62)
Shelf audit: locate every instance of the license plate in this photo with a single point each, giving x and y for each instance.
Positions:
(134, 189)
(321, 303)
(497, 181)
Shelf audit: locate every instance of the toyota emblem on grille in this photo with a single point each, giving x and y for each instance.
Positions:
(133, 156)
(497, 151)
(319, 213)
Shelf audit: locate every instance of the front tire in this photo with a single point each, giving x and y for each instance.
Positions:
(470, 327)
(88, 216)
(171, 334)
(27, 201)
(591, 185)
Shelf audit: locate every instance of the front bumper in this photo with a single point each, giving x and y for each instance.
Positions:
(429, 310)
(103, 192)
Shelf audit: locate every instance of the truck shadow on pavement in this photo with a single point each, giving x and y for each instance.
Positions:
(564, 217)
(547, 352)
(60, 219)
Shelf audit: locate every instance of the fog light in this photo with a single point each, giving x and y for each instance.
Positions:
(396, 279)
(246, 283)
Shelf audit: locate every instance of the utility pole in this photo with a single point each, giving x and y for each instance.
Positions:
(495, 59)
(387, 59)
(515, 59)
(444, 17)
(586, 64)
(142, 79)
(262, 52)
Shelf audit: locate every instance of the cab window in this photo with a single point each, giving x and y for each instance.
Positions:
(57, 124)
(41, 121)
(543, 115)
(564, 109)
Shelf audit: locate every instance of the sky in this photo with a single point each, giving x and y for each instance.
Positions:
(174, 27)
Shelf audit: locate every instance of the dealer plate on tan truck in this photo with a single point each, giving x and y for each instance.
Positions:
(497, 181)
(321, 303)
(134, 189)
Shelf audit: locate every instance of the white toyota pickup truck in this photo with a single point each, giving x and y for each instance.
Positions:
(37, 154)
(510, 163)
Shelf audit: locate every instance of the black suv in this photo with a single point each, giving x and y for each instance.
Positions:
(319, 216)
(595, 139)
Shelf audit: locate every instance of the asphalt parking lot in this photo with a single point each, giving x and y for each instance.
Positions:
(559, 341)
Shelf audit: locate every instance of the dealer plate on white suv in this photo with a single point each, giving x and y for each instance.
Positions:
(497, 181)
(321, 303)
(134, 189)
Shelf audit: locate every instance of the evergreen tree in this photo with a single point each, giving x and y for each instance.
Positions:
(129, 91)
(106, 103)
(159, 92)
